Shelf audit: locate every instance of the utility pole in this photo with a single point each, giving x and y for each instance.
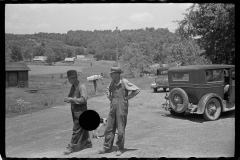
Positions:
(117, 46)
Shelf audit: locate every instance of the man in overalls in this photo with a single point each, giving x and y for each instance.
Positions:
(117, 93)
(78, 99)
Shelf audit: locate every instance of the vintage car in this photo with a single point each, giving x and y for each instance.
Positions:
(161, 81)
(200, 89)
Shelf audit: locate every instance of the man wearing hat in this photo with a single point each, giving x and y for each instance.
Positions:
(117, 93)
(78, 99)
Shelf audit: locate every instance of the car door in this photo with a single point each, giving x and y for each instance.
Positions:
(232, 85)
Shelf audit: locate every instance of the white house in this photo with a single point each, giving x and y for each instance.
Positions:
(69, 60)
(40, 59)
(80, 56)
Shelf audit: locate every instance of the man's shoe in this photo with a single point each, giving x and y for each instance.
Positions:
(69, 150)
(88, 145)
(69, 146)
(119, 152)
(102, 151)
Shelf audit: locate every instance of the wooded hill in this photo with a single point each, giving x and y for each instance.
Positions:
(212, 24)
(158, 45)
(205, 35)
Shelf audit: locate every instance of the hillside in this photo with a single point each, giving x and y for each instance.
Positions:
(135, 49)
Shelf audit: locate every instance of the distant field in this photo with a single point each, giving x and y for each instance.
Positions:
(53, 86)
(90, 67)
(39, 70)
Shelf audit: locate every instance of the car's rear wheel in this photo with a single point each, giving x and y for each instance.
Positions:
(212, 109)
(154, 90)
(178, 100)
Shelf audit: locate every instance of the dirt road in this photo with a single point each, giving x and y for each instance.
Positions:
(151, 132)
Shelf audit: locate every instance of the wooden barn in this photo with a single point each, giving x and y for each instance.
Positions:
(16, 74)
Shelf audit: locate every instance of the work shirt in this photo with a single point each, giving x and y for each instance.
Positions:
(79, 94)
(128, 87)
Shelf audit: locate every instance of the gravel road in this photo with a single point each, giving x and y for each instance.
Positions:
(151, 132)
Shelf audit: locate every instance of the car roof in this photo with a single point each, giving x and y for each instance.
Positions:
(200, 67)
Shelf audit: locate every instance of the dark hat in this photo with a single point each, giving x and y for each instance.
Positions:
(71, 73)
(116, 69)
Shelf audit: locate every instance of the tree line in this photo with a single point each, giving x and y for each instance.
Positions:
(157, 45)
(205, 35)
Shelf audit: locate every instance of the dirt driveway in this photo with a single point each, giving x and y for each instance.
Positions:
(151, 132)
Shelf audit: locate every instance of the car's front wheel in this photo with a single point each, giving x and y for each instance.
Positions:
(212, 109)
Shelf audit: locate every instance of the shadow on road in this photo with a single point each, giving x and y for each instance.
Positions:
(114, 148)
(199, 117)
(161, 91)
(195, 118)
(230, 114)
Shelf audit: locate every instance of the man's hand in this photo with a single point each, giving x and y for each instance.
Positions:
(67, 99)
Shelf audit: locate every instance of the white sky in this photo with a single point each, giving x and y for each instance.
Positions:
(60, 18)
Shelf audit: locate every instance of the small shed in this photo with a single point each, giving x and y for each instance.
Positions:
(39, 59)
(16, 74)
(69, 60)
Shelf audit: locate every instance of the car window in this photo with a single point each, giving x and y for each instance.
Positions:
(214, 75)
(180, 76)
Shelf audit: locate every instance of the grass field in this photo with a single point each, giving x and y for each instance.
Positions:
(40, 70)
(53, 87)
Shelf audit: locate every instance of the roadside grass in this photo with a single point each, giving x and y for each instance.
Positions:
(54, 87)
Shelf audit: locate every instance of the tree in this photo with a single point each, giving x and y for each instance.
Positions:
(59, 53)
(214, 26)
(27, 53)
(16, 54)
(133, 60)
(8, 54)
(50, 55)
(186, 52)
(39, 51)
(69, 53)
(79, 51)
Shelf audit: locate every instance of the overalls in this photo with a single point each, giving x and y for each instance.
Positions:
(117, 118)
(80, 136)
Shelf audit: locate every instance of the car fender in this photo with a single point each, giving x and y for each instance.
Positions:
(204, 99)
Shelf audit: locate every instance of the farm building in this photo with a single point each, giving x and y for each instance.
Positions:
(69, 60)
(16, 74)
(40, 59)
